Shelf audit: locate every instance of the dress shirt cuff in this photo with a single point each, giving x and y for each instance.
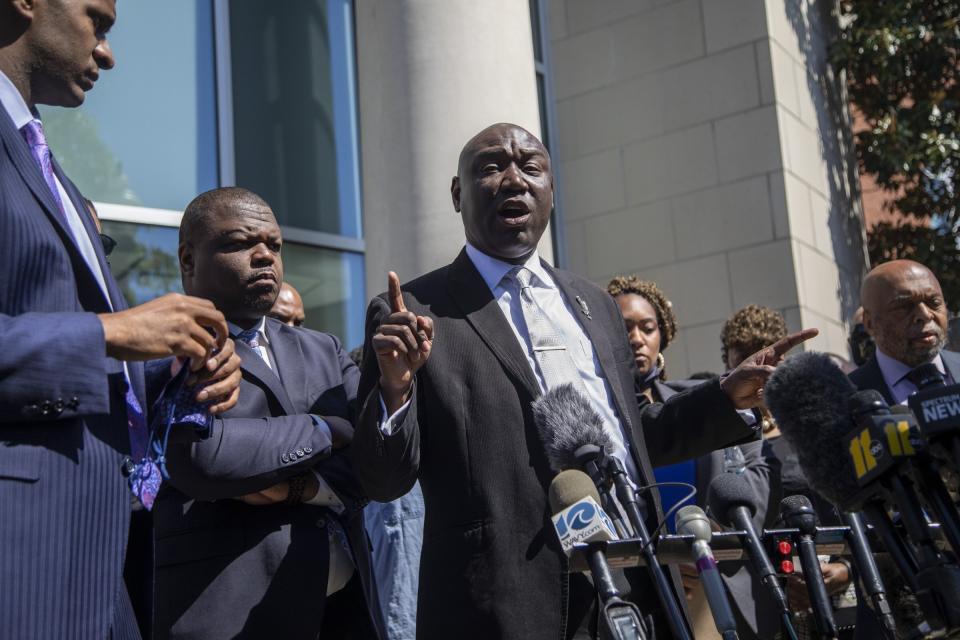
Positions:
(326, 497)
(388, 425)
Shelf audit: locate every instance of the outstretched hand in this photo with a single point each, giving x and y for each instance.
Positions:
(744, 384)
(402, 344)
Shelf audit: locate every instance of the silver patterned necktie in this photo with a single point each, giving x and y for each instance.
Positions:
(549, 350)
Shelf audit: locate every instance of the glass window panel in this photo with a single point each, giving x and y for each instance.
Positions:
(535, 24)
(146, 134)
(293, 116)
(144, 261)
(331, 284)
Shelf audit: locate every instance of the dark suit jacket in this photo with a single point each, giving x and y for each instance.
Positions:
(491, 565)
(869, 375)
(64, 505)
(226, 569)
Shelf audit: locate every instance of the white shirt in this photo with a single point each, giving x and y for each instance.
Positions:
(341, 565)
(21, 114)
(563, 317)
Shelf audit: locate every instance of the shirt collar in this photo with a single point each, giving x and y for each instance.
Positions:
(261, 328)
(493, 270)
(14, 103)
(895, 371)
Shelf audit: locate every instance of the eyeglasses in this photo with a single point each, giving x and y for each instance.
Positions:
(109, 244)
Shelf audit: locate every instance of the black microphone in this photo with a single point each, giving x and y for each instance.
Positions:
(691, 520)
(937, 408)
(868, 573)
(573, 496)
(733, 504)
(841, 440)
(573, 436)
(809, 398)
(797, 513)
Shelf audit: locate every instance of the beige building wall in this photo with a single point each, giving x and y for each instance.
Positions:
(431, 74)
(699, 147)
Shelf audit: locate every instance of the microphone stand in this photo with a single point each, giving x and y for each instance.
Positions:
(628, 499)
(619, 620)
(869, 575)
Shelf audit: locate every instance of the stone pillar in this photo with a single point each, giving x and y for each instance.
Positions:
(431, 73)
(702, 146)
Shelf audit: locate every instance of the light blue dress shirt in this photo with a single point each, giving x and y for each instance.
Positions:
(555, 307)
(895, 375)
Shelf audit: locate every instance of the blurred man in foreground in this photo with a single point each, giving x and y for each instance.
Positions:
(73, 425)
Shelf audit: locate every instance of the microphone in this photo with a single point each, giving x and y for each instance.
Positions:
(573, 501)
(797, 513)
(573, 436)
(691, 520)
(854, 459)
(937, 408)
(577, 515)
(733, 503)
(868, 572)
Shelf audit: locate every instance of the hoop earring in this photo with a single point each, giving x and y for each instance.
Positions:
(661, 361)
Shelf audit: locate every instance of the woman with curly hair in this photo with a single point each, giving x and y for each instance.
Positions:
(749, 330)
(651, 326)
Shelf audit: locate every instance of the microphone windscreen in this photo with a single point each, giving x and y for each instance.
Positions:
(692, 521)
(569, 487)
(566, 421)
(809, 398)
(729, 490)
(797, 512)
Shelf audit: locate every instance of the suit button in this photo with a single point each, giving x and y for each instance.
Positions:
(321, 523)
(308, 450)
(46, 407)
(285, 458)
(74, 402)
(58, 406)
(127, 467)
(300, 453)
(31, 410)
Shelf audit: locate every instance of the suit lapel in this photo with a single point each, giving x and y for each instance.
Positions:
(598, 335)
(874, 379)
(27, 167)
(117, 301)
(951, 362)
(288, 358)
(253, 365)
(471, 294)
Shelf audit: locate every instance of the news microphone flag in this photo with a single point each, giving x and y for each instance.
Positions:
(582, 522)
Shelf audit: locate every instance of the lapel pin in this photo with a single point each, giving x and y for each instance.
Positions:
(584, 308)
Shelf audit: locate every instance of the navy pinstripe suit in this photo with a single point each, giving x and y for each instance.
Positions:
(64, 504)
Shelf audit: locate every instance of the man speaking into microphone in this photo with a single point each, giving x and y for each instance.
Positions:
(456, 413)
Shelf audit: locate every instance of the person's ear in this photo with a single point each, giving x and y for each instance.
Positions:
(23, 8)
(455, 192)
(185, 256)
(868, 323)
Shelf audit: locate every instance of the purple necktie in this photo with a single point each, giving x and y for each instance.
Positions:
(145, 476)
(33, 134)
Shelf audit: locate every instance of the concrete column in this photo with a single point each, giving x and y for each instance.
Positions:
(703, 147)
(432, 73)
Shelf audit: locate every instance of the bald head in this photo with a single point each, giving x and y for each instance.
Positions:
(288, 308)
(216, 204)
(503, 191)
(494, 133)
(904, 311)
(230, 253)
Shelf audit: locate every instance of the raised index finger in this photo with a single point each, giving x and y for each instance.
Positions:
(394, 295)
(780, 347)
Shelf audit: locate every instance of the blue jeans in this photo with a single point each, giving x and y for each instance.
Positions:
(396, 533)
